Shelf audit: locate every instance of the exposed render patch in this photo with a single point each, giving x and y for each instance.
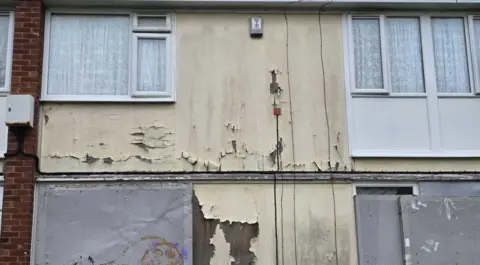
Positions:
(234, 146)
(279, 147)
(46, 118)
(203, 232)
(90, 159)
(232, 235)
(240, 236)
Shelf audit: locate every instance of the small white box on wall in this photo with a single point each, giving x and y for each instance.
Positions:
(256, 27)
(20, 110)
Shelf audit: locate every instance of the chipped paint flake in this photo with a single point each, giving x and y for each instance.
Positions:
(152, 137)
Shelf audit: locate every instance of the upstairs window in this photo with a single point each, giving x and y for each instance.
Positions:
(108, 57)
(387, 54)
(413, 82)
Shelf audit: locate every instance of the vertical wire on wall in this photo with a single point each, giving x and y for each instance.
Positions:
(328, 137)
(275, 187)
(293, 137)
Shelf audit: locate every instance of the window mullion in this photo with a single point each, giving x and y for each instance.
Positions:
(384, 52)
(131, 58)
(351, 55)
(430, 83)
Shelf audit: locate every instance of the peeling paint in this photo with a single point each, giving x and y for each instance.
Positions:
(316, 226)
(89, 159)
(218, 116)
(243, 211)
(229, 242)
(212, 166)
(152, 137)
(273, 154)
(222, 248)
(239, 236)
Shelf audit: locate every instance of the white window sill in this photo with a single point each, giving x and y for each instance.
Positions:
(416, 154)
(457, 95)
(391, 95)
(169, 99)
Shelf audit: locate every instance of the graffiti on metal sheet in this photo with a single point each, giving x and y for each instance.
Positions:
(157, 251)
(160, 252)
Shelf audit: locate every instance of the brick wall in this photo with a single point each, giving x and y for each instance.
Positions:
(19, 171)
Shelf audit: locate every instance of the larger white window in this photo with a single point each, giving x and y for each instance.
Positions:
(413, 83)
(108, 57)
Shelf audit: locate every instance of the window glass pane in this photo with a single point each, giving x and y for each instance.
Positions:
(151, 72)
(450, 52)
(4, 22)
(152, 21)
(405, 51)
(367, 53)
(88, 55)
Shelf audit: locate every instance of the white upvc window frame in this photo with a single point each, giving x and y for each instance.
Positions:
(137, 28)
(468, 39)
(167, 96)
(383, 50)
(8, 64)
(386, 91)
(428, 62)
(473, 43)
(431, 91)
(385, 184)
(134, 64)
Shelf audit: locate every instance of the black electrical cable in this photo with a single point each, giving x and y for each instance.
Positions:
(328, 136)
(277, 155)
(292, 126)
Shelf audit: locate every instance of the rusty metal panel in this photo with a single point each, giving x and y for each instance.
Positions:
(131, 223)
(441, 230)
(378, 229)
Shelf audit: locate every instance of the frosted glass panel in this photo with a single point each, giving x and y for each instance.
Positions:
(405, 50)
(367, 53)
(152, 21)
(151, 72)
(89, 55)
(4, 23)
(450, 52)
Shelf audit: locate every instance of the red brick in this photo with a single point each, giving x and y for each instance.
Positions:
(20, 171)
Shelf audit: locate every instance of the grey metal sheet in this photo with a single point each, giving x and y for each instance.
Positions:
(470, 188)
(378, 230)
(441, 230)
(129, 223)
